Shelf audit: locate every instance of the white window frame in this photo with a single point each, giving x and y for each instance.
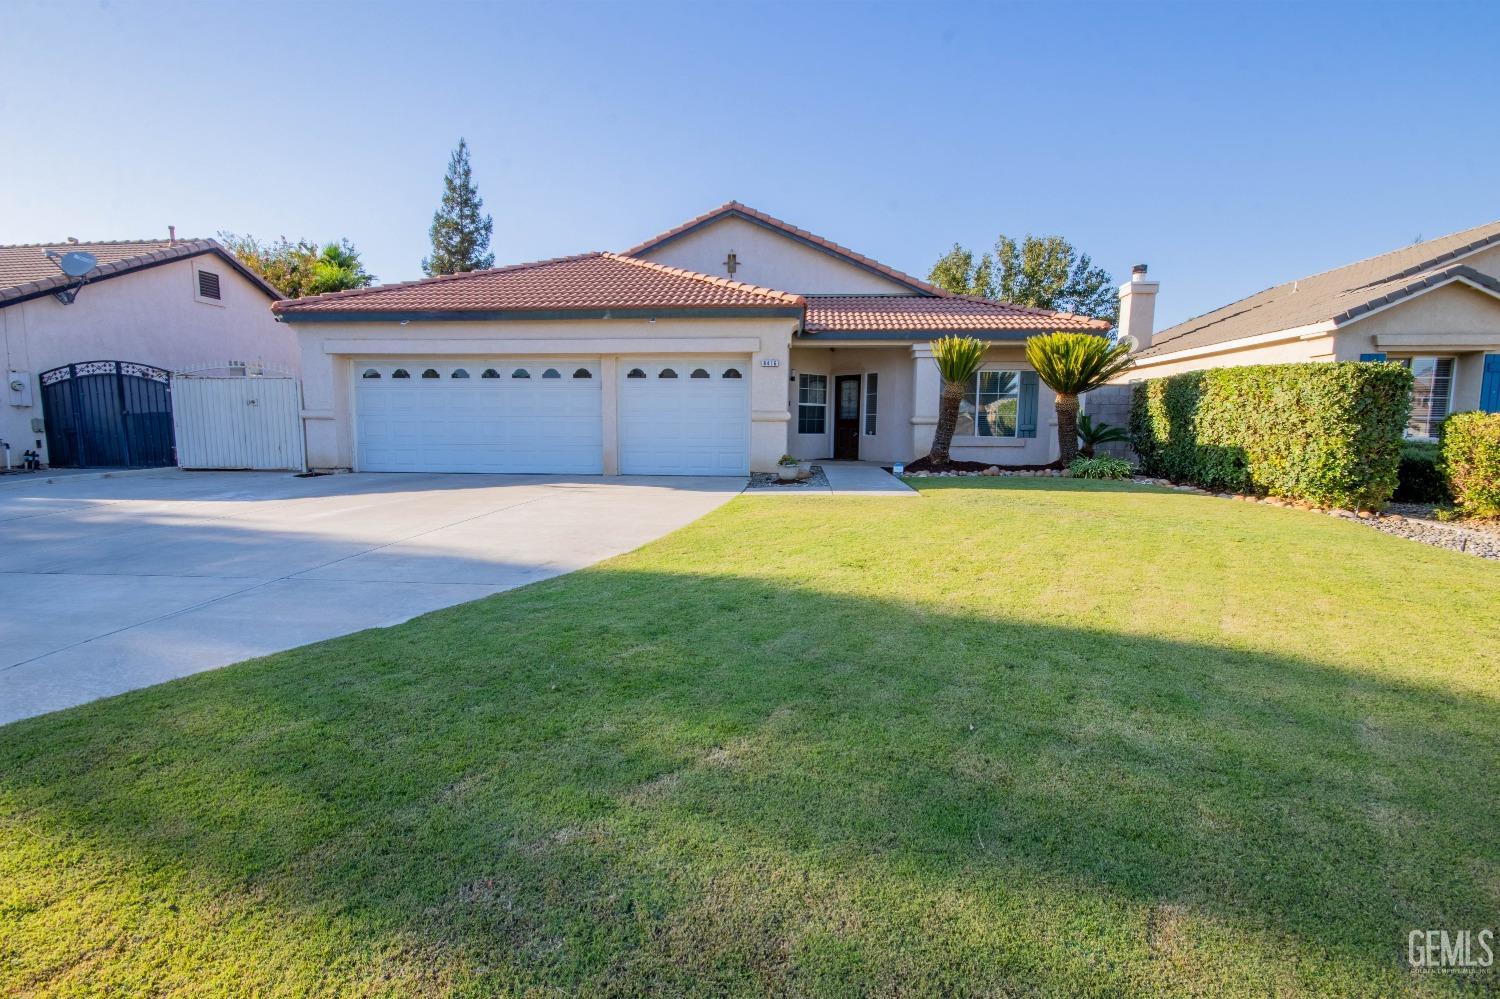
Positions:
(1409, 363)
(991, 437)
(869, 415)
(802, 377)
(217, 303)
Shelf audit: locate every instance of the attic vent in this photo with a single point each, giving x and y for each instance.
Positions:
(208, 285)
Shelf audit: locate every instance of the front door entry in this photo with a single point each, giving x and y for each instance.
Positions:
(846, 418)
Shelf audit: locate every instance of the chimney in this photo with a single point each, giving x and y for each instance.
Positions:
(1138, 307)
(172, 234)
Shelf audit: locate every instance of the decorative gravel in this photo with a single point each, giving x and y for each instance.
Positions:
(769, 480)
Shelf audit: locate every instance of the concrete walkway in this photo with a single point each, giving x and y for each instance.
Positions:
(863, 478)
(116, 583)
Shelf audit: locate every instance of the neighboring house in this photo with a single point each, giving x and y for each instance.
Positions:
(87, 365)
(1433, 306)
(712, 348)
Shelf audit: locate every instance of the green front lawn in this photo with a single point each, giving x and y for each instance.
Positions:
(1020, 736)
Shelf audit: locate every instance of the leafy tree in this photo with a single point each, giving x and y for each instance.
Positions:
(1047, 272)
(1072, 364)
(958, 358)
(460, 234)
(957, 271)
(301, 268)
(1042, 272)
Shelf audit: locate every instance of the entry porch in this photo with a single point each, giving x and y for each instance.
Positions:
(879, 402)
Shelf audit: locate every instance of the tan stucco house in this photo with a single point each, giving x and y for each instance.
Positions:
(712, 348)
(1434, 306)
(88, 357)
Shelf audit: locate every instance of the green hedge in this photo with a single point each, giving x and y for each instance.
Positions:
(1471, 460)
(1326, 433)
(1419, 479)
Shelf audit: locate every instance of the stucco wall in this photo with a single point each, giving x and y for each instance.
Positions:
(893, 398)
(910, 387)
(1291, 352)
(331, 351)
(150, 316)
(769, 259)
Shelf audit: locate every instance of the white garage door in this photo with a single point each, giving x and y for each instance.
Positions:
(479, 416)
(684, 417)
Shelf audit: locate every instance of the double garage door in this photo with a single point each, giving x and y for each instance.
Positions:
(678, 416)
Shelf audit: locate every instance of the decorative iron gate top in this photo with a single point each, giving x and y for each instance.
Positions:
(104, 368)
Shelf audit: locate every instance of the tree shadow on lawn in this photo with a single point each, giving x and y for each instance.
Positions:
(632, 781)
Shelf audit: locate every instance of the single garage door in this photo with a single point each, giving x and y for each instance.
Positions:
(479, 416)
(684, 417)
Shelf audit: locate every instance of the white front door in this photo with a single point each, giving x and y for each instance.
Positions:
(684, 417)
(486, 415)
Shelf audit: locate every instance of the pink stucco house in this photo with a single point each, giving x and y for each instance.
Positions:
(87, 359)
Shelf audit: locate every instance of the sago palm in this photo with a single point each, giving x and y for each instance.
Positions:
(958, 359)
(1091, 434)
(1072, 364)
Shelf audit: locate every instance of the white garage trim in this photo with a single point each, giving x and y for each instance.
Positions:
(553, 346)
(518, 415)
(684, 416)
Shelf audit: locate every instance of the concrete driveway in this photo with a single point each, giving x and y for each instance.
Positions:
(117, 583)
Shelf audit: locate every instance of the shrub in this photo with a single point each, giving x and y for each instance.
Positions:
(1102, 467)
(1471, 461)
(1326, 433)
(1419, 479)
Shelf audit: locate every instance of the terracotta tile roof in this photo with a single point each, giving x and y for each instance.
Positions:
(925, 316)
(26, 271)
(588, 282)
(735, 208)
(1337, 295)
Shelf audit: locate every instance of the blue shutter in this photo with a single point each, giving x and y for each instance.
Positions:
(1026, 417)
(1372, 357)
(1489, 386)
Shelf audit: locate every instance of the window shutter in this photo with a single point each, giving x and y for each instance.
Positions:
(1489, 386)
(1372, 357)
(1026, 415)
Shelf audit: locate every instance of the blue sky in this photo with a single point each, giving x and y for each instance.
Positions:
(1229, 146)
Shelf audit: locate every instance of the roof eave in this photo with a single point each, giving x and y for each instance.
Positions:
(131, 265)
(294, 315)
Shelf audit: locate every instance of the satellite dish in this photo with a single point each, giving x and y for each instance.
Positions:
(77, 263)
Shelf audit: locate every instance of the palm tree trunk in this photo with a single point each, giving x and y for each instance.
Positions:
(942, 437)
(1067, 428)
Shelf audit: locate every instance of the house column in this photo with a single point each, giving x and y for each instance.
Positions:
(926, 392)
(609, 403)
(769, 411)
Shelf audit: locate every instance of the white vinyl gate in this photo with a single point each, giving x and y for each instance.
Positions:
(240, 421)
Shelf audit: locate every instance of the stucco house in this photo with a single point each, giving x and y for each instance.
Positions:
(712, 348)
(87, 361)
(1434, 306)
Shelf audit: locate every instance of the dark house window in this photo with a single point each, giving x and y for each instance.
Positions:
(208, 285)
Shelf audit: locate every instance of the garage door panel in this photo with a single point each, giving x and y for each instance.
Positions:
(483, 420)
(684, 425)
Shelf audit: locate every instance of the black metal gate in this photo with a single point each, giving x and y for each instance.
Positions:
(108, 414)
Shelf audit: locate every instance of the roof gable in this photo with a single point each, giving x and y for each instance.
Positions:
(26, 272)
(1336, 296)
(584, 285)
(820, 265)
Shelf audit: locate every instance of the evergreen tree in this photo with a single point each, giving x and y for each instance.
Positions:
(460, 234)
